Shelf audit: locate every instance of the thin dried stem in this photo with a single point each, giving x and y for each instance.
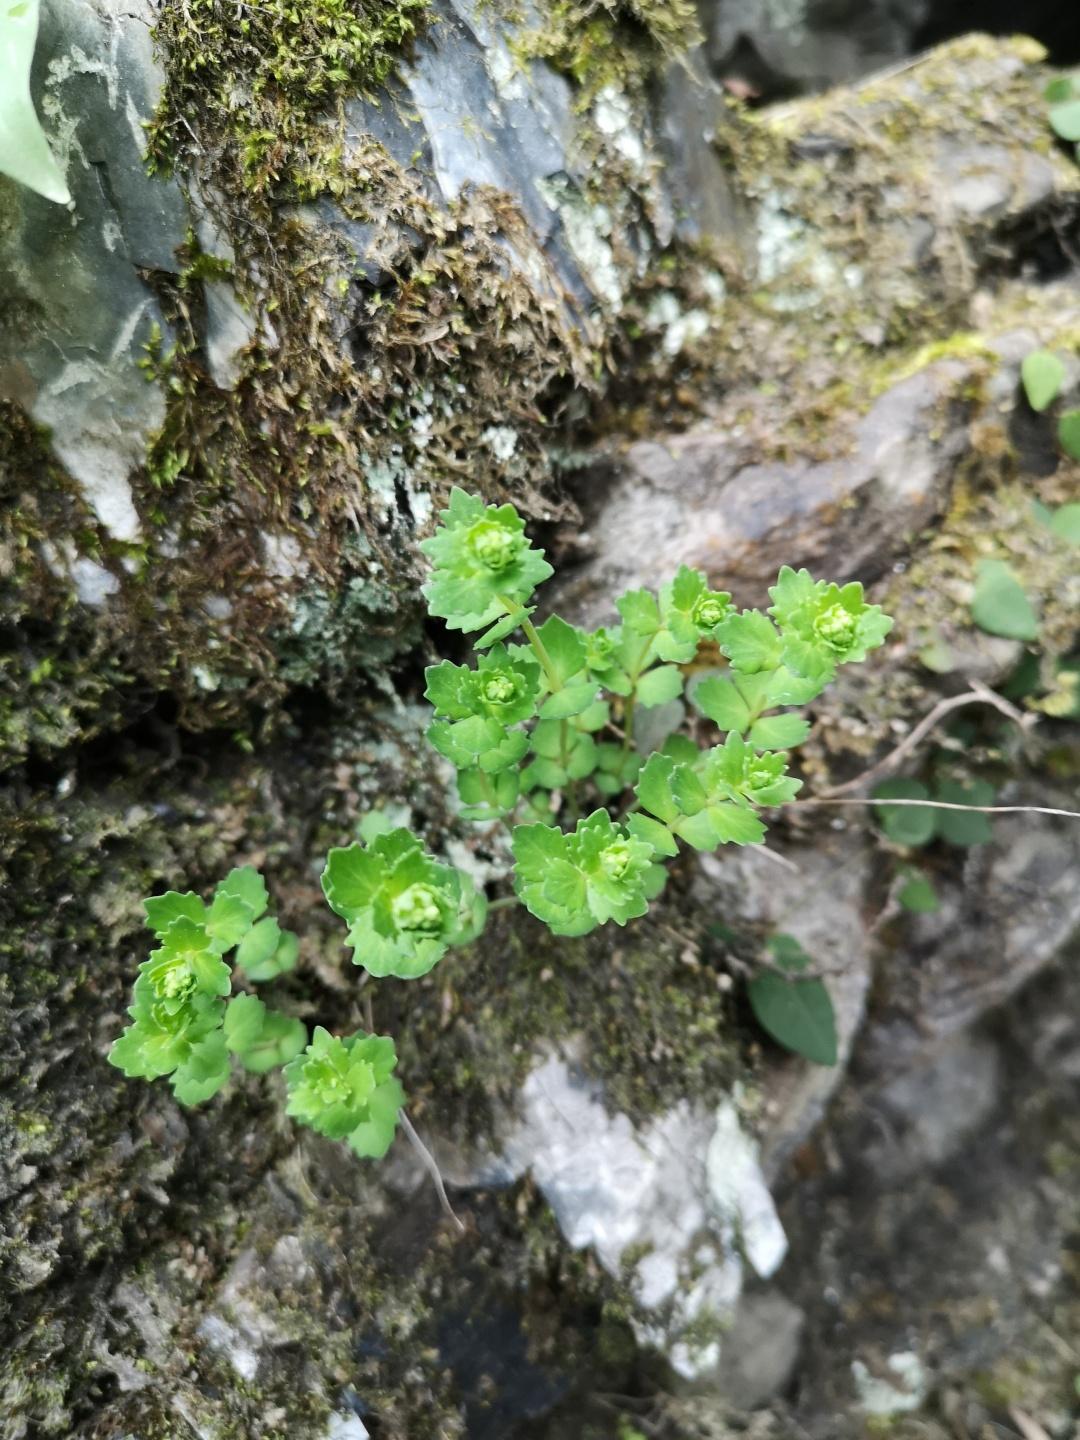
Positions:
(979, 694)
(430, 1165)
(942, 805)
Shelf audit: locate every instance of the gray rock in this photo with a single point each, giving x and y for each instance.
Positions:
(679, 1209)
(761, 1350)
(77, 315)
(701, 499)
(821, 904)
(779, 45)
(983, 181)
(929, 1112)
(1009, 917)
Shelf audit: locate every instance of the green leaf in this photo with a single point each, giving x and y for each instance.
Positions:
(1065, 119)
(779, 732)
(565, 648)
(1060, 89)
(905, 824)
(572, 700)
(1069, 432)
(258, 945)
(1065, 523)
(657, 687)
(721, 703)
(259, 960)
(1042, 373)
(162, 910)
(640, 612)
(750, 641)
(657, 835)
(965, 828)
(484, 567)
(798, 1014)
(243, 1022)
(654, 787)
(721, 824)
(281, 1039)
(1000, 605)
(351, 879)
(918, 894)
(228, 920)
(24, 150)
(204, 1072)
(246, 884)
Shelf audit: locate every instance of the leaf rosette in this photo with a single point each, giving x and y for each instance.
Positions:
(577, 881)
(403, 908)
(344, 1088)
(823, 624)
(483, 561)
(475, 709)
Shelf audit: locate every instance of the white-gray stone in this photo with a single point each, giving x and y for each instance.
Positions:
(684, 1197)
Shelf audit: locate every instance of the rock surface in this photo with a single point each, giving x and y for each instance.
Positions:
(844, 366)
(703, 499)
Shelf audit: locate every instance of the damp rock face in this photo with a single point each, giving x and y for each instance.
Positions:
(206, 363)
(670, 1208)
(80, 308)
(701, 499)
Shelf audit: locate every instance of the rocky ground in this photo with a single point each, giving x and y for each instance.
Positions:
(674, 330)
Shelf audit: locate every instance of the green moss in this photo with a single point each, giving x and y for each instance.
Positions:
(261, 77)
(616, 42)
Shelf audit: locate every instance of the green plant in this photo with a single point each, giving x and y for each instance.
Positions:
(24, 151)
(1062, 95)
(185, 1021)
(542, 735)
(796, 1012)
(1042, 375)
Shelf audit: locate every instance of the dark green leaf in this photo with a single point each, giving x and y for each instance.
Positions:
(1069, 433)
(798, 1014)
(1000, 605)
(905, 824)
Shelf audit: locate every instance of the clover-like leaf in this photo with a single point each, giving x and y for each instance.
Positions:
(203, 1071)
(965, 827)
(344, 1088)
(162, 910)
(750, 641)
(243, 1022)
(779, 732)
(910, 825)
(659, 686)
(267, 951)
(483, 566)
(247, 885)
(281, 1038)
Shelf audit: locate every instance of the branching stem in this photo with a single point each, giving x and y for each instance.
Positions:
(979, 694)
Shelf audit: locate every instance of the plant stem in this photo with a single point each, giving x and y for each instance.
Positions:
(540, 651)
(503, 902)
(429, 1163)
(631, 699)
(937, 805)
